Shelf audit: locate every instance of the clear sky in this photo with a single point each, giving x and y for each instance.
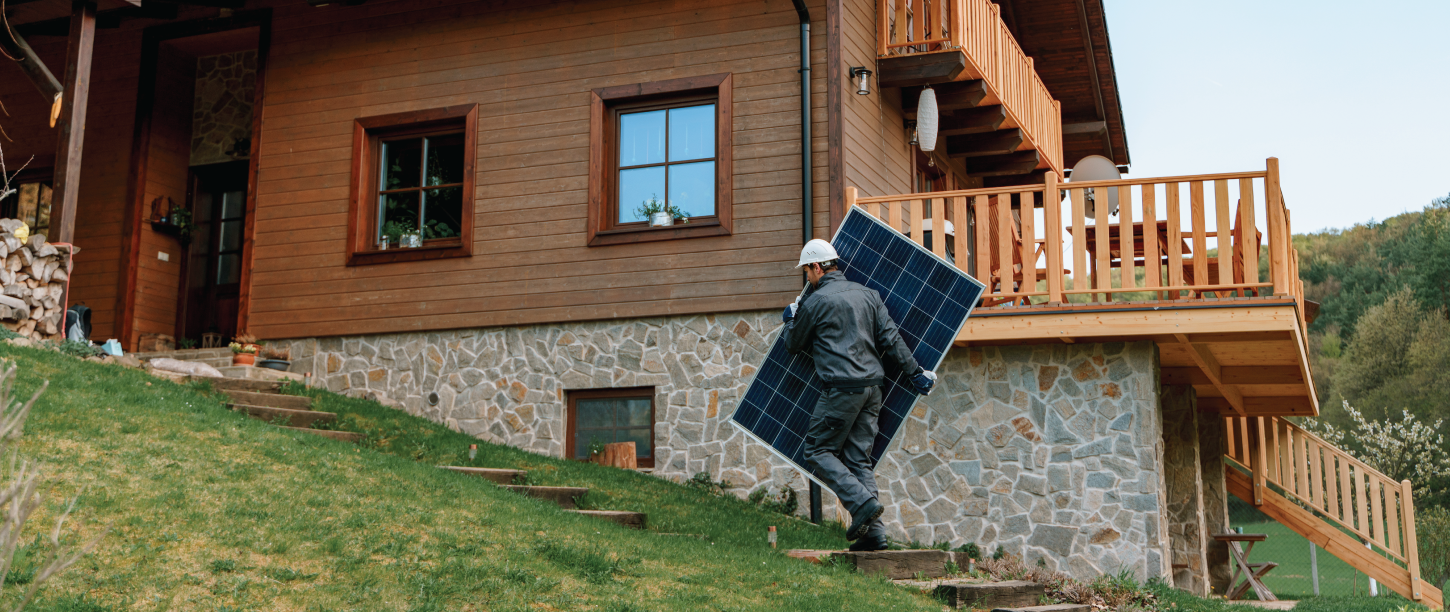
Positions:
(1352, 97)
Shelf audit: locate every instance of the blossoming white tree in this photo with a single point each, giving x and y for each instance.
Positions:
(1408, 449)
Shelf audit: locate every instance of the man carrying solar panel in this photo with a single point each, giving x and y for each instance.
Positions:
(845, 328)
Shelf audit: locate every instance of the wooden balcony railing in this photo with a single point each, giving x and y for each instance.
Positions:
(975, 28)
(1171, 237)
(1345, 491)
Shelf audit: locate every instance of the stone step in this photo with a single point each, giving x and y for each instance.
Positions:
(345, 436)
(564, 496)
(989, 595)
(256, 373)
(895, 564)
(633, 520)
(1067, 607)
(294, 418)
(274, 400)
(242, 384)
(499, 476)
(189, 354)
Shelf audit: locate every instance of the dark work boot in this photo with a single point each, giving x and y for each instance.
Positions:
(870, 543)
(861, 520)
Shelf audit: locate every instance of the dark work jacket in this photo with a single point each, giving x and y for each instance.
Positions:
(849, 334)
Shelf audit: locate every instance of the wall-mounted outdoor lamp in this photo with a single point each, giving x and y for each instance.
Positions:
(863, 80)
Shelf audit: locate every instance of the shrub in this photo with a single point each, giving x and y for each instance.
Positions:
(785, 502)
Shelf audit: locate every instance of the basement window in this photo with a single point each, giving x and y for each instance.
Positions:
(605, 416)
(30, 202)
(412, 186)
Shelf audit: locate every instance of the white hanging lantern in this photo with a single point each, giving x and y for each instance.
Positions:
(926, 120)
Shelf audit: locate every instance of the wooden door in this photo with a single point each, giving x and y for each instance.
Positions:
(218, 195)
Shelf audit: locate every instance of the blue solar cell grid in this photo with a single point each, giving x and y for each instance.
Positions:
(928, 298)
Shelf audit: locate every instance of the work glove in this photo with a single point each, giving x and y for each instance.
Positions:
(923, 382)
(790, 309)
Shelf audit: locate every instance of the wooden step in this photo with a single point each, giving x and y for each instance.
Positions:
(345, 436)
(564, 496)
(497, 475)
(895, 564)
(633, 520)
(242, 384)
(989, 595)
(294, 418)
(275, 400)
(1067, 607)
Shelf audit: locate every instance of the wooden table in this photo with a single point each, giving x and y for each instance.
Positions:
(1252, 572)
(1115, 248)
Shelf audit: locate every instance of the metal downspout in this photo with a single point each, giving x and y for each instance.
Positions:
(805, 71)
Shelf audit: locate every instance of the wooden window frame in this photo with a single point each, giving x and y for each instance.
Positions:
(362, 205)
(587, 394)
(35, 175)
(605, 104)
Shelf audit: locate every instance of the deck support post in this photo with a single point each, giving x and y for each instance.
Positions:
(73, 119)
(1412, 551)
(1258, 455)
(1052, 216)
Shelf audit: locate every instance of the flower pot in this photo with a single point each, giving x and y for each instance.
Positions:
(279, 365)
(411, 240)
(244, 359)
(661, 219)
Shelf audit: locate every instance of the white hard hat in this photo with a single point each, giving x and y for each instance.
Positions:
(817, 251)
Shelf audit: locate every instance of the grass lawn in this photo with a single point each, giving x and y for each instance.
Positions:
(213, 511)
(1293, 578)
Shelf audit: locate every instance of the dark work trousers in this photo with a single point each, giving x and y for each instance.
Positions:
(838, 445)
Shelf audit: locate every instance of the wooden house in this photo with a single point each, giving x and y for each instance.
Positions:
(446, 205)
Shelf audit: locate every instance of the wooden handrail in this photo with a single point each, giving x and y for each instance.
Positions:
(1075, 248)
(975, 28)
(1348, 492)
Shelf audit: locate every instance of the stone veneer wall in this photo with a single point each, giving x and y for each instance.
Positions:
(1052, 452)
(222, 111)
(1212, 446)
(1183, 472)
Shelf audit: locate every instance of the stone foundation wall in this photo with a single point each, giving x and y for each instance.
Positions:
(1212, 446)
(1052, 452)
(1184, 475)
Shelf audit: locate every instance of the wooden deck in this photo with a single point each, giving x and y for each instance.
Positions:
(1201, 265)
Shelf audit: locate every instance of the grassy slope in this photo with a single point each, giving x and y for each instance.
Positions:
(213, 511)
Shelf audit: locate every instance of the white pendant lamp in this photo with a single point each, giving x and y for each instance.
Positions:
(926, 120)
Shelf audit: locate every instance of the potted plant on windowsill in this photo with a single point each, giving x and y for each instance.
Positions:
(243, 354)
(392, 234)
(660, 214)
(276, 358)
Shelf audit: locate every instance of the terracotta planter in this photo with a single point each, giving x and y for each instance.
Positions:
(245, 359)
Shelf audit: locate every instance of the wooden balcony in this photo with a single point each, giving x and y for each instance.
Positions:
(1202, 265)
(966, 43)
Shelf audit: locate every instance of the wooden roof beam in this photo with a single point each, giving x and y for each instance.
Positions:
(972, 121)
(950, 97)
(15, 46)
(1211, 368)
(1236, 375)
(1021, 162)
(1289, 405)
(1000, 142)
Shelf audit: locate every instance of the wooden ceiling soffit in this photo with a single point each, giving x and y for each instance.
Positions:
(1236, 375)
(950, 97)
(106, 20)
(1289, 405)
(1085, 127)
(1000, 142)
(972, 121)
(920, 69)
(1021, 162)
(1209, 365)
(1035, 177)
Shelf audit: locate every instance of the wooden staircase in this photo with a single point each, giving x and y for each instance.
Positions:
(1334, 500)
(565, 497)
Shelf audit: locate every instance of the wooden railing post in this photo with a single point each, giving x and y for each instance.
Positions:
(1279, 236)
(1052, 216)
(1259, 458)
(883, 32)
(1412, 552)
(850, 198)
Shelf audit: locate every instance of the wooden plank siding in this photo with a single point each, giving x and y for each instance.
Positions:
(168, 160)
(877, 159)
(529, 67)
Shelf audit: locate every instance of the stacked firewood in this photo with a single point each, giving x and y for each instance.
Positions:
(32, 283)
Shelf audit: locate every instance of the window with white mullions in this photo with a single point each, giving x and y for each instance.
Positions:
(420, 187)
(666, 162)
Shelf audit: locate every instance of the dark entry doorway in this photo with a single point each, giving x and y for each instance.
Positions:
(213, 268)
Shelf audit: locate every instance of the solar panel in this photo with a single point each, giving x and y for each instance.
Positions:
(928, 298)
